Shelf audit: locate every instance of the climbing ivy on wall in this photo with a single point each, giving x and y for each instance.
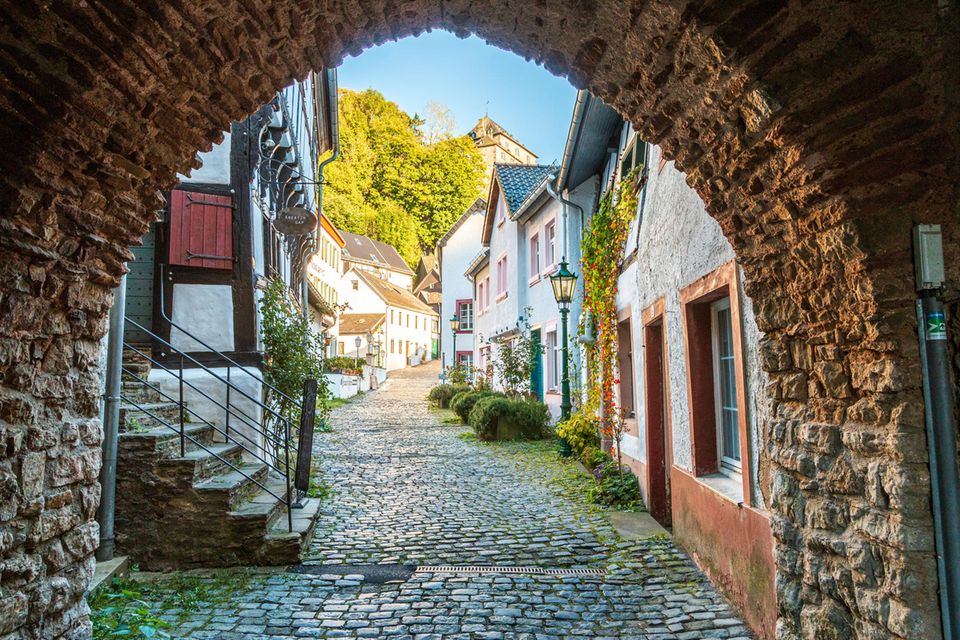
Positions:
(603, 246)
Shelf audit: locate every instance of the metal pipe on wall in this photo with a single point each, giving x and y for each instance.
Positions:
(331, 75)
(939, 415)
(111, 423)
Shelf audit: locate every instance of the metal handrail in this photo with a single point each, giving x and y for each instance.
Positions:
(200, 365)
(168, 320)
(215, 455)
(247, 419)
(281, 447)
(203, 421)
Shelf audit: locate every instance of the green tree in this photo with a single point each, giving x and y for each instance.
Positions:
(391, 183)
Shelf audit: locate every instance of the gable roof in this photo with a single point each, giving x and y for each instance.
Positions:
(486, 129)
(517, 181)
(393, 295)
(369, 251)
(358, 323)
(479, 206)
(427, 281)
(593, 130)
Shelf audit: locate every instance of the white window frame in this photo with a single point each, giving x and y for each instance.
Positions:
(534, 255)
(466, 322)
(501, 275)
(553, 360)
(726, 464)
(550, 235)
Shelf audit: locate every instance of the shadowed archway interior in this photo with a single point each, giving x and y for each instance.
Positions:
(817, 133)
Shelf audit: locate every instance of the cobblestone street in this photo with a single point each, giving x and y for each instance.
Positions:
(408, 489)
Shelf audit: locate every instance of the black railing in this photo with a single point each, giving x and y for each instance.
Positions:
(271, 439)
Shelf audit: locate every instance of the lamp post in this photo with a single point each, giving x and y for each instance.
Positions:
(564, 283)
(455, 327)
(357, 342)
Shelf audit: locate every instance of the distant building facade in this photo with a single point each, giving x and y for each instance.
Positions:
(377, 258)
(408, 324)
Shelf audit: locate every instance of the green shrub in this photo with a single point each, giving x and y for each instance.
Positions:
(526, 420)
(462, 403)
(441, 394)
(580, 431)
(614, 487)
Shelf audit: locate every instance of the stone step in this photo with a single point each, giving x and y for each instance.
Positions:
(234, 488)
(147, 415)
(133, 361)
(282, 546)
(264, 505)
(136, 391)
(166, 441)
(209, 462)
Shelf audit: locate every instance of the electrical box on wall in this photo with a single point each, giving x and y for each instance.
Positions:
(928, 256)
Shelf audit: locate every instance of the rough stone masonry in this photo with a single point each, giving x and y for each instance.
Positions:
(816, 132)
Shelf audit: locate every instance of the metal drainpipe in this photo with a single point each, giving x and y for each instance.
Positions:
(335, 133)
(111, 423)
(563, 207)
(940, 426)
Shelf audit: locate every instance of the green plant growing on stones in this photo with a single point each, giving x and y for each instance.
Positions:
(120, 612)
(458, 375)
(580, 431)
(592, 457)
(135, 609)
(320, 490)
(614, 486)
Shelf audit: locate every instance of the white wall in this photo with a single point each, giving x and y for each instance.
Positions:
(245, 416)
(397, 334)
(206, 311)
(419, 334)
(455, 256)
(505, 311)
(678, 244)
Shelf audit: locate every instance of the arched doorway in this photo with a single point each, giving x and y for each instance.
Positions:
(816, 133)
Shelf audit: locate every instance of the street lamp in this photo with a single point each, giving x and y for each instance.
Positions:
(357, 342)
(564, 283)
(455, 326)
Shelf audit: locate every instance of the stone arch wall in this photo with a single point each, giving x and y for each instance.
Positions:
(816, 132)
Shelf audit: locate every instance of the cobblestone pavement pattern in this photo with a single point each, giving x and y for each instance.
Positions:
(407, 489)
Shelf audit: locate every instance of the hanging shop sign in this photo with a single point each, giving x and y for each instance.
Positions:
(295, 221)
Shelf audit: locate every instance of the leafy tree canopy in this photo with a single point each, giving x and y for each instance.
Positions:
(397, 180)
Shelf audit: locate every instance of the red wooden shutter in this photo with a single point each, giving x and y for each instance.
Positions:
(201, 230)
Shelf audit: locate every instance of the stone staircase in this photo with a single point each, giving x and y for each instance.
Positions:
(194, 509)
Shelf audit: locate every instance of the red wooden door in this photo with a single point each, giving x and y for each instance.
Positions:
(201, 230)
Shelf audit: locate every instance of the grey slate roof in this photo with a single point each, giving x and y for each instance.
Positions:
(370, 251)
(517, 181)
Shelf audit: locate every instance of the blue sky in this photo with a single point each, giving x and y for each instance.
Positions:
(529, 102)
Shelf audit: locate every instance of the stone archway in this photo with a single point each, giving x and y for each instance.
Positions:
(816, 132)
